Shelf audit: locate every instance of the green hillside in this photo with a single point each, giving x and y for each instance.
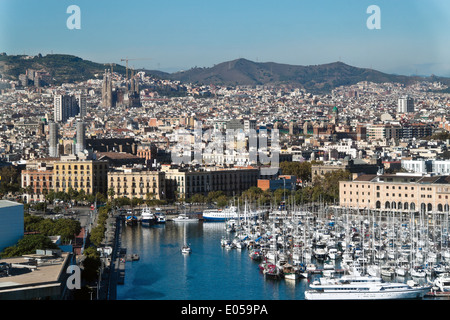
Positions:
(62, 67)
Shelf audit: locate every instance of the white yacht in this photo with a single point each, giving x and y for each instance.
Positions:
(442, 282)
(147, 217)
(362, 288)
(185, 218)
(225, 214)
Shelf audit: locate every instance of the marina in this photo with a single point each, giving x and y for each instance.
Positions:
(285, 253)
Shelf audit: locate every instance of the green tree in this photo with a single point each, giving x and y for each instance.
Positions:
(66, 228)
(326, 188)
(213, 195)
(111, 194)
(72, 194)
(81, 196)
(197, 198)
(10, 179)
(302, 170)
(123, 201)
(253, 194)
(29, 244)
(50, 196)
(222, 201)
(91, 267)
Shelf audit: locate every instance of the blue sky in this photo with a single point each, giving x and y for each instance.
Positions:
(180, 34)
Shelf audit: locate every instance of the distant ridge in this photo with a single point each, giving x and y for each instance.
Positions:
(313, 78)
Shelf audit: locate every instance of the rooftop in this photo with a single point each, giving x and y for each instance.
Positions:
(405, 178)
(31, 272)
(8, 203)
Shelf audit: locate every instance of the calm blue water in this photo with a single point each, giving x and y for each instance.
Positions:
(210, 272)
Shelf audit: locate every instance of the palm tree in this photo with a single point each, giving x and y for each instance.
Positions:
(28, 191)
(111, 194)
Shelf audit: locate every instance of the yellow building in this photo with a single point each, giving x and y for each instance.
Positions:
(131, 183)
(88, 175)
(183, 183)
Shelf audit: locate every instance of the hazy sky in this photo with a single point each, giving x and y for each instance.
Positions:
(179, 34)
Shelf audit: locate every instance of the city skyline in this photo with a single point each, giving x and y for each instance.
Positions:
(178, 35)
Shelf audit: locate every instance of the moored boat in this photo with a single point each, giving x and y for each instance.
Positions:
(147, 217)
(185, 218)
(232, 212)
(160, 218)
(363, 288)
(130, 220)
(442, 283)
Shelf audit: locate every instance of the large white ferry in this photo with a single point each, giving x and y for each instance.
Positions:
(362, 288)
(228, 213)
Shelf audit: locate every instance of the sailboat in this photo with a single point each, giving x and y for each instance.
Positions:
(185, 249)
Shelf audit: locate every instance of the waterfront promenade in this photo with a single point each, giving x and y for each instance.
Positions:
(113, 269)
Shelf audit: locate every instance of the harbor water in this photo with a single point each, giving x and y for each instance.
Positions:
(210, 272)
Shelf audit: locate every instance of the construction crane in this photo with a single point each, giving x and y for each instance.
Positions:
(126, 60)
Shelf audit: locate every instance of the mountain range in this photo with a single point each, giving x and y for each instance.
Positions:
(313, 78)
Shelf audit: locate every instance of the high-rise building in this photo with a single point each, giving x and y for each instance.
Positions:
(65, 107)
(61, 106)
(81, 102)
(405, 104)
(81, 139)
(53, 140)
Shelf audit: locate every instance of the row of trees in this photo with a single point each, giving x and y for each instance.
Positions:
(302, 170)
(325, 188)
(91, 261)
(37, 235)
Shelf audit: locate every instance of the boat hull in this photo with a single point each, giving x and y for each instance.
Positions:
(377, 295)
(208, 218)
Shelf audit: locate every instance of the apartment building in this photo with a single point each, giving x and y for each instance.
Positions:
(80, 174)
(398, 131)
(135, 183)
(37, 183)
(402, 192)
(427, 166)
(384, 131)
(184, 182)
(37, 179)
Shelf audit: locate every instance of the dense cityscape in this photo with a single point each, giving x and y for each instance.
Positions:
(111, 142)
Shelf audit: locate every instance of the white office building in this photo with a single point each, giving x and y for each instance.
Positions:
(405, 104)
(439, 167)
